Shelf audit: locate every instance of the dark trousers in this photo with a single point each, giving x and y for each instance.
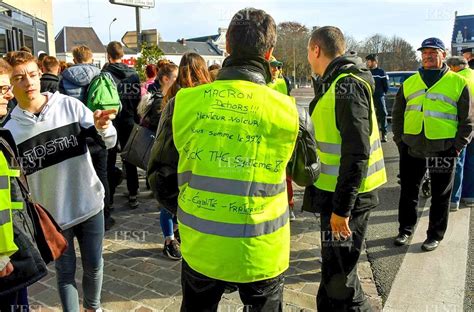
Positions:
(381, 112)
(123, 132)
(15, 302)
(441, 169)
(340, 288)
(99, 160)
(202, 293)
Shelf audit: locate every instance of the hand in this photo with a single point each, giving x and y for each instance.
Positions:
(7, 270)
(340, 226)
(102, 118)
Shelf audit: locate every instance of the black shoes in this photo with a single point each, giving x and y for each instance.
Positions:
(133, 202)
(401, 239)
(172, 250)
(430, 244)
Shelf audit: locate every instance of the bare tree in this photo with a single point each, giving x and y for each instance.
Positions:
(291, 50)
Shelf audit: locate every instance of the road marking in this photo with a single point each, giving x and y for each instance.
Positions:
(433, 281)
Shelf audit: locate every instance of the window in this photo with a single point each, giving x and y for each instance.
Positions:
(41, 35)
(29, 42)
(3, 41)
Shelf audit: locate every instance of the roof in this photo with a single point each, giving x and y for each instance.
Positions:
(464, 24)
(202, 48)
(69, 37)
(204, 38)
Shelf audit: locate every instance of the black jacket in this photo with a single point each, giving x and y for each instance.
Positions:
(162, 168)
(381, 81)
(353, 113)
(49, 83)
(419, 145)
(128, 86)
(152, 116)
(28, 265)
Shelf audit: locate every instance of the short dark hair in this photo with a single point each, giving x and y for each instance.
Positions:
(50, 63)
(372, 57)
(330, 40)
(115, 50)
(251, 32)
(15, 58)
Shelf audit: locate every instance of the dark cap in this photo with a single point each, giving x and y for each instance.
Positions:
(372, 57)
(434, 43)
(467, 50)
(274, 62)
(456, 61)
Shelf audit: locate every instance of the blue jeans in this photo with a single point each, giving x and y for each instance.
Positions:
(458, 178)
(167, 221)
(89, 234)
(468, 175)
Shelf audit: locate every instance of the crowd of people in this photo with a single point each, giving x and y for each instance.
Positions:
(230, 141)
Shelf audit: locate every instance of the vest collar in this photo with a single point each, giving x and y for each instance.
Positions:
(251, 68)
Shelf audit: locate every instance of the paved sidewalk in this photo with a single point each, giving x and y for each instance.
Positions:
(138, 277)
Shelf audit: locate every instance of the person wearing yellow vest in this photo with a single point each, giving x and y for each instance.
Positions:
(464, 175)
(20, 262)
(352, 166)
(281, 84)
(432, 123)
(219, 162)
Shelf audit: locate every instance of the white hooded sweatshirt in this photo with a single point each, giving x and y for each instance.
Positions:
(54, 155)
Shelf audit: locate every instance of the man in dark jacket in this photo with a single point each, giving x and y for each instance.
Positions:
(432, 122)
(381, 87)
(128, 86)
(346, 190)
(49, 78)
(75, 82)
(260, 279)
(468, 54)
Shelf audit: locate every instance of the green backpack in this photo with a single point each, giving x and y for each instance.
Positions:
(102, 93)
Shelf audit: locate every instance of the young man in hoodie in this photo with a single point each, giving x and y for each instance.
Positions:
(75, 82)
(128, 85)
(348, 141)
(50, 131)
(49, 78)
(432, 123)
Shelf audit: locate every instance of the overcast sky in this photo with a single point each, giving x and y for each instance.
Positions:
(413, 20)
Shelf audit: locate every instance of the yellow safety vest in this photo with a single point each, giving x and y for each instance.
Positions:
(279, 85)
(328, 140)
(7, 245)
(434, 109)
(468, 74)
(234, 140)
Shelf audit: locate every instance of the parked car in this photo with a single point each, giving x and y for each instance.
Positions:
(395, 80)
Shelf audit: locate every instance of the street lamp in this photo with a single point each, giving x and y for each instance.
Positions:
(110, 25)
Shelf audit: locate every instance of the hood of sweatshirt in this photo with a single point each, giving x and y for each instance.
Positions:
(81, 74)
(26, 118)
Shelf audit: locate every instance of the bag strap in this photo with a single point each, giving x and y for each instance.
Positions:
(22, 182)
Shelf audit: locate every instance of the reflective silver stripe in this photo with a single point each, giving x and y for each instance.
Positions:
(376, 166)
(232, 229)
(334, 170)
(4, 182)
(413, 107)
(441, 97)
(4, 217)
(441, 115)
(231, 187)
(330, 148)
(330, 169)
(415, 94)
(375, 146)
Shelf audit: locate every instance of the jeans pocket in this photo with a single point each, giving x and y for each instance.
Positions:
(269, 286)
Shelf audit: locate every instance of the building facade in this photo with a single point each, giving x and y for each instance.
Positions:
(26, 23)
(463, 33)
